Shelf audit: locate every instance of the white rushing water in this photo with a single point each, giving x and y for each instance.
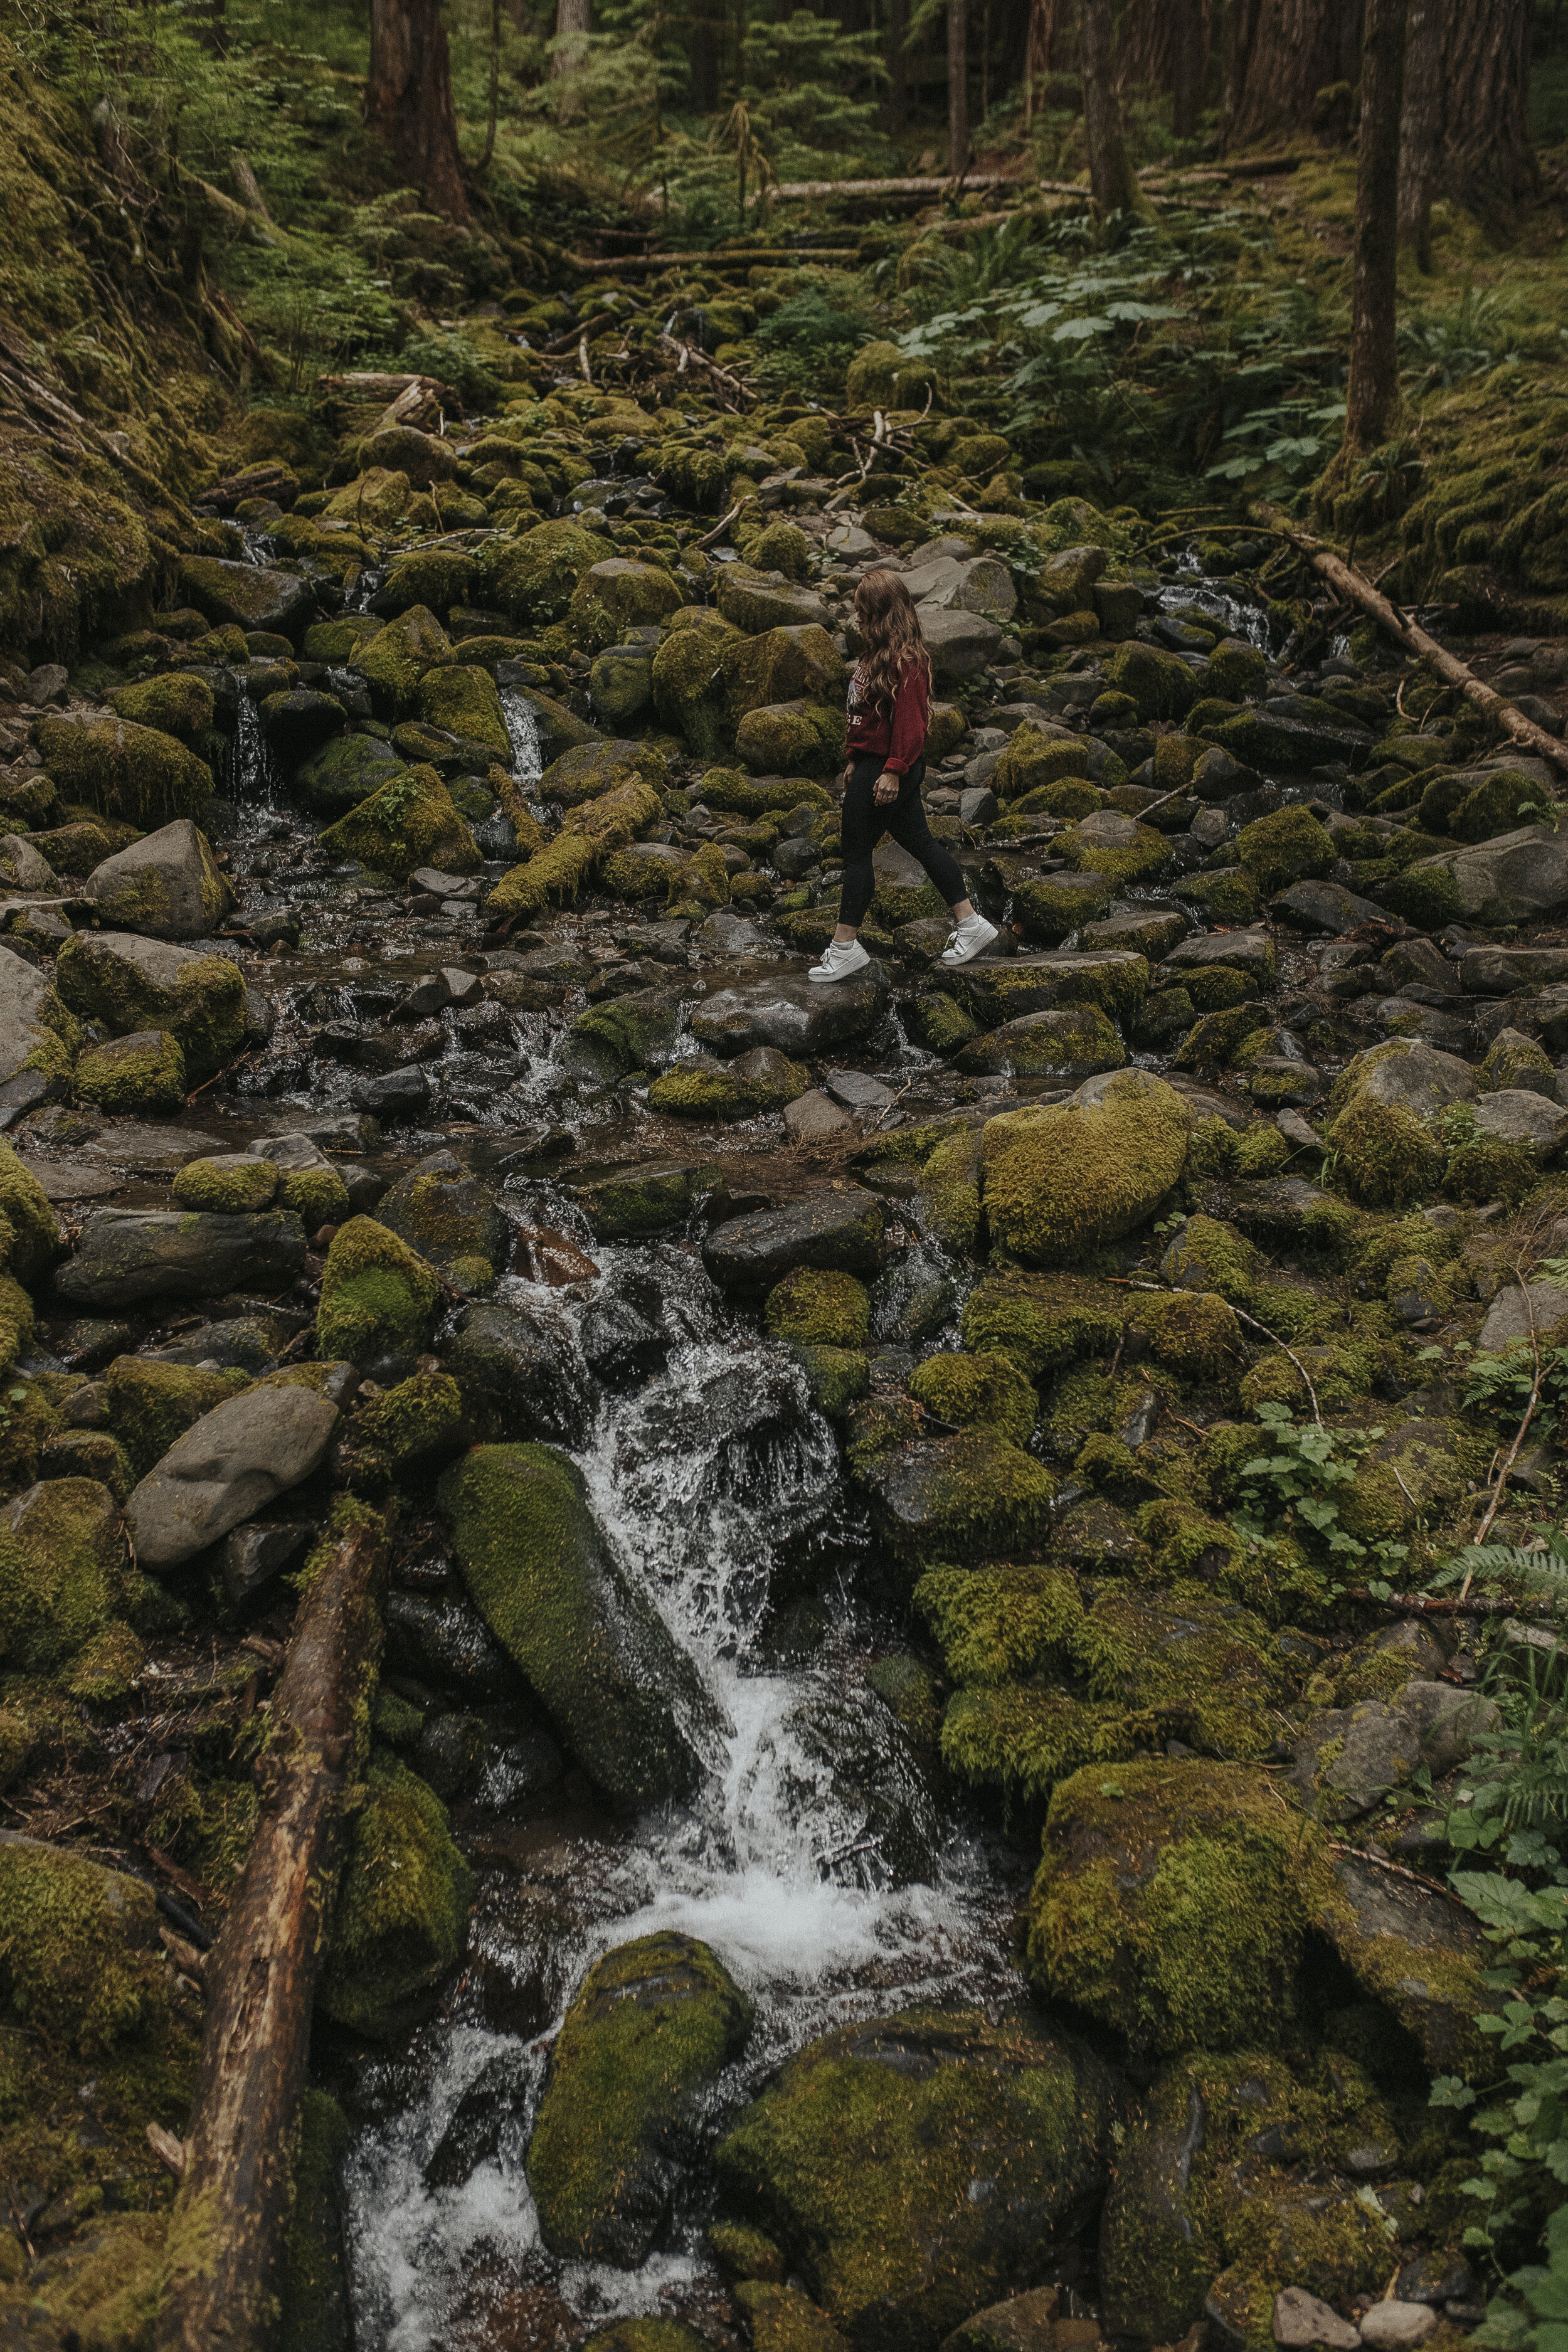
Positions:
(711, 1483)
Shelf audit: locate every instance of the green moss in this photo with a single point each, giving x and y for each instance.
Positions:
(124, 771)
(978, 1392)
(404, 824)
(1030, 760)
(1383, 1154)
(103, 1672)
(1040, 1323)
(29, 1230)
(1283, 848)
(378, 1296)
(145, 1072)
(402, 1909)
(1427, 896)
(400, 1432)
(234, 1184)
(466, 702)
(1066, 1177)
(1138, 858)
(65, 1573)
(1171, 1901)
(796, 737)
(178, 704)
(531, 578)
(971, 1497)
(999, 1623)
(1162, 686)
(838, 1377)
(940, 1023)
(317, 1196)
(1051, 910)
(149, 1404)
(949, 1194)
(647, 2032)
(314, 2311)
(80, 1957)
(198, 1000)
(819, 1310)
(1193, 1331)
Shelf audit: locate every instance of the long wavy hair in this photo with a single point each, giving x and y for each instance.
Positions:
(891, 643)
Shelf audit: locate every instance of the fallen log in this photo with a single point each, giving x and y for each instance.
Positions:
(595, 266)
(1353, 585)
(794, 191)
(223, 2265)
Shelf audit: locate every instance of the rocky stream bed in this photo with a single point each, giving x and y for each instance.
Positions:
(879, 1825)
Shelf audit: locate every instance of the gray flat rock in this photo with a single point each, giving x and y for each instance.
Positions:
(227, 1466)
(1541, 1306)
(128, 1257)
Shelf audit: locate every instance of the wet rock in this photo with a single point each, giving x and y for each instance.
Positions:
(248, 595)
(1540, 1306)
(446, 1644)
(837, 1231)
(1301, 2319)
(235, 1461)
(485, 2119)
(130, 984)
(848, 1755)
(643, 2043)
(65, 1573)
(633, 1203)
(1069, 1046)
(961, 643)
(453, 1219)
(623, 1336)
(618, 1689)
(1323, 907)
(916, 2168)
(344, 772)
(378, 1295)
(404, 1093)
(970, 1497)
(791, 1014)
(401, 1912)
(1420, 1955)
(1349, 1758)
(127, 1257)
(522, 1370)
(35, 1027)
(816, 1117)
(1519, 878)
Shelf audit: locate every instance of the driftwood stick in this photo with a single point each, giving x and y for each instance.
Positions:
(1359, 591)
(223, 2266)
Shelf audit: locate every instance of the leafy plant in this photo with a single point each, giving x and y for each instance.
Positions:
(810, 339)
(1294, 1491)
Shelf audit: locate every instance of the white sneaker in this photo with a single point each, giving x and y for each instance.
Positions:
(972, 938)
(838, 960)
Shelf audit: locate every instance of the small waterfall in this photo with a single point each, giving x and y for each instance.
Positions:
(522, 731)
(714, 1482)
(257, 784)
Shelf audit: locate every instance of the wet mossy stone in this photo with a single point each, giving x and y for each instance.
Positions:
(453, 1219)
(630, 1032)
(1069, 1176)
(647, 2033)
(406, 824)
(379, 1298)
(1053, 905)
(392, 662)
(80, 1962)
(465, 701)
(1383, 1154)
(839, 1232)
(248, 595)
(794, 738)
(1208, 1256)
(1041, 1323)
(1070, 1045)
(978, 1392)
(343, 772)
(784, 665)
(29, 1229)
(401, 1912)
(125, 1257)
(131, 984)
(617, 596)
(1172, 1901)
(1109, 843)
(837, 1377)
(1289, 845)
(1159, 683)
(178, 704)
(763, 1080)
(65, 1573)
(586, 772)
(167, 885)
(687, 683)
(972, 1496)
(531, 578)
(618, 1690)
(234, 1181)
(1031, 759)
(818, 1309)
(134, 774)
(860, 2161)
(646, 2336)
(150, 1405)
(782, 2318)
(620, 683)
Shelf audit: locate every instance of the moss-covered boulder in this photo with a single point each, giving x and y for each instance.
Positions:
(1032, 760)
(436, 577)
(179, 704)
(971, 1496)
(688, 694)
(29, 1229)
(344, 772)
(978, 1392)
(819, 1310)
(466, 702)
(401, 1912)
(861, 2163)
(453, 1220)
(616, 595)
(134, 774)
(1069, 1176)
(404, 824)
(792, 738)
(788, 664)
(133, 985)
(149, 1405)
(247, 596)
(237, 1181)
(649, 2032)
(80, 1962)
(65, 1573)
(167, 885)
(1159, 682)
(1289, 845)
(392, 662)
(379, 1298)
(619, 1691)
(1108, 842)
(1172, 1901)
(763, 1080)
(882, 376)
(144, 1072)
(531, 579)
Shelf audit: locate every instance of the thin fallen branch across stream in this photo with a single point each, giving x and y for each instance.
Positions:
(224, 2265)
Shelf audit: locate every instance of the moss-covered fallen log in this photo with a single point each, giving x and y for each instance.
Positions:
(223, 2268)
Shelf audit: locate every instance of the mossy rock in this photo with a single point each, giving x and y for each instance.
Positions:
(971, 1496)
(235, 1182)
(688, 690)
(1284, 847)
(650, 2030)
(401, 1912)
(29, 1229)
(531, 579)
(392, 662)
(616, 595)
(837, 1377)
(436, 577)
(859, 2162)
(403, 1432)
(797, 738)
(819, 1310)
(134, 774)
(617, 1688)
(1193, 1332)
(1041, 1323)
(1109, 843)
(978, 1392)
(379, 1298)
(149, 1405)
(132, 985)
(1382, 1155)
(344, 772)
(80, 1962)
(1031, 759)
(453, 1220)
(465, 701)
(317, 1196)
(1068, 1177)
(1159, 683)
(65, 1573)
(178, 704)
(1208, 1255)
(784, 664)
(406, 824)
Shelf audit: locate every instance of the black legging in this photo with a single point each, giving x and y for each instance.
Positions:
(863, 825)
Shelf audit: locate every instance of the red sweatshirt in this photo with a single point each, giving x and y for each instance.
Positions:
(899, 741)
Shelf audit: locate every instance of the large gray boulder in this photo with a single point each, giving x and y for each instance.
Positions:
(167, 885)
(1540, 1308)
(227, 1466)
(1518, 877)
(126, 1257)
(1417, 1077)
(1517, 1115)
(130, 984)
(961, 643)
(248, 596)
(947, 584)
(31, 1019)
(834, 1232)
(799, 1016)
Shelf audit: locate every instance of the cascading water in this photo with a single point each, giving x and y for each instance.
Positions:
(256, 780)
(523, 733)
(718, 1486)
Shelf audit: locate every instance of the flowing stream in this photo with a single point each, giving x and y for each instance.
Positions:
(718, 1486)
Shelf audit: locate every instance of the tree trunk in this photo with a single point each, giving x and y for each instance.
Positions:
(224, 2262)
(1490, 162)
(1164, 44)
(408, 99)
(1279, 55)
(1421, 125)
(1190, 65)
(898, 63)
(1038, 53)
(1372, 401)
(1112, 186)
(957, 86)
(574, 22)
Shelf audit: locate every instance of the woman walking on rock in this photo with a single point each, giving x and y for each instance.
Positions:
(889, 709)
